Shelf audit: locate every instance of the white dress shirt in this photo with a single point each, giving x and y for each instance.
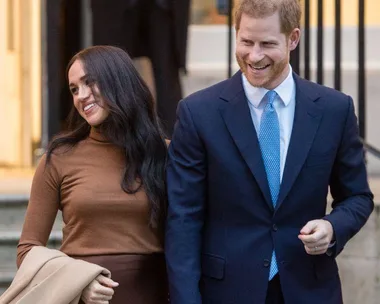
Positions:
(285, 104)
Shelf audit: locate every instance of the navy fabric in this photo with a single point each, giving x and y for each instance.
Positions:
(222, 226)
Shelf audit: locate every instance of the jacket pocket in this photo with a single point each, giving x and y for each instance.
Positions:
(213, 266)
(325, 267)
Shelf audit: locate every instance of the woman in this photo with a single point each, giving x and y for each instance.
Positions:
(107, 176)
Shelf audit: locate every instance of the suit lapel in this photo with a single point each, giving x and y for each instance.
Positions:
(237, 117)
(307, 118)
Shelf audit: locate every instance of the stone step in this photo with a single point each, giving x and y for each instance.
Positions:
(8, 246)
(6, 278)
(12, 212)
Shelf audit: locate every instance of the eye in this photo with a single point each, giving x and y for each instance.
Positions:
(74, 90)
(246, 42)
(89, 81)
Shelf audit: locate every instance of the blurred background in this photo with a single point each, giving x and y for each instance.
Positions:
(38, 37)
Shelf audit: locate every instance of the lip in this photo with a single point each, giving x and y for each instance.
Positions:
(90, 110)
(257, 71)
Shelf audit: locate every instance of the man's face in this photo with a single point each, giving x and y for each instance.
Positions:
(263, 51)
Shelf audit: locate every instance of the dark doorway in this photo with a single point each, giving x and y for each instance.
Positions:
(62, 34)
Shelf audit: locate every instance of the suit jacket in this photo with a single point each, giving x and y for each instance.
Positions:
(180, 10)
(222, 226)
(49, 276)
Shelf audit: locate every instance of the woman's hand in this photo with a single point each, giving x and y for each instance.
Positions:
(99, 291)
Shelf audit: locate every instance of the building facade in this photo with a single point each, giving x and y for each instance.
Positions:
(41, 35)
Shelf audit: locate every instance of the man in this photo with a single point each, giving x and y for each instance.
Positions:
(156, 29)
(250, 164)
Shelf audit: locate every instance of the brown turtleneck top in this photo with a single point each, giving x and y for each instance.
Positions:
(99, 217)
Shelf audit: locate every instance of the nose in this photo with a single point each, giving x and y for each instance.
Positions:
(84, 92)
(256, 54)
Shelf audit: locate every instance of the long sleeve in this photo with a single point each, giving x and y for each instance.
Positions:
(186, 178)
(353, 200)
(42, 209)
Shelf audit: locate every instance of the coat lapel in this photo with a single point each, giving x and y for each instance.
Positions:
(307, 118)
(237, 117)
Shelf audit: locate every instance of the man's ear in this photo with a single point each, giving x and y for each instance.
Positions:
(294, 38)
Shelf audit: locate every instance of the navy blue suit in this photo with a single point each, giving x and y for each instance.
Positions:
(222, 226)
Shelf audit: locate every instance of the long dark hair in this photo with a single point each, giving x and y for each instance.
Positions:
(132, 124)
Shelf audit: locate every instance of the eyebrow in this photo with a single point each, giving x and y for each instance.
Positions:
(81, 79)
(271, 40)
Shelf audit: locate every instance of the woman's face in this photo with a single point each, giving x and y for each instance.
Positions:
(91, 107)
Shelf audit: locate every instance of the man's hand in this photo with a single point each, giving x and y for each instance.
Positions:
(316, 236)
(99, 291)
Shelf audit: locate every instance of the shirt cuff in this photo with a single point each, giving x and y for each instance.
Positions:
(330, 249)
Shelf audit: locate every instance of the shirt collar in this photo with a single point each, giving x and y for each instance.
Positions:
(285, 90)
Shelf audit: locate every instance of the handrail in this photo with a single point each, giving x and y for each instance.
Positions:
(371, 149)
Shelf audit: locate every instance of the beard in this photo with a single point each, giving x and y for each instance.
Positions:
(272, 76)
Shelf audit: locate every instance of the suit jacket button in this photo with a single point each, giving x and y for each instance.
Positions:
(266, 263)
(274, 227)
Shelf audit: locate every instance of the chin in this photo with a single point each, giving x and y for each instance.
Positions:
(258, 83)
(95, 120)
(93, 123)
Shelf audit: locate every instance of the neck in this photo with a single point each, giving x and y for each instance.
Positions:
(95, 133)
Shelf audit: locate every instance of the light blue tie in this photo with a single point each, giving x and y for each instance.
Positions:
(269, 139)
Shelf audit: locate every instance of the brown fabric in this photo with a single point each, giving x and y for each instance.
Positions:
(100, 218)
(142, 278)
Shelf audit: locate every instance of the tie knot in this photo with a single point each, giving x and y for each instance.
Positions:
(271, 96)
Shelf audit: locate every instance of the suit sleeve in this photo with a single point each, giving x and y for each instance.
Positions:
(186, 178)
(352, 198)
(42, 209)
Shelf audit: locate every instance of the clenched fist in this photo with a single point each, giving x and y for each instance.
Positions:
(316, 236)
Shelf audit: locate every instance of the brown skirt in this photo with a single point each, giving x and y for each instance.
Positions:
(142, 278)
